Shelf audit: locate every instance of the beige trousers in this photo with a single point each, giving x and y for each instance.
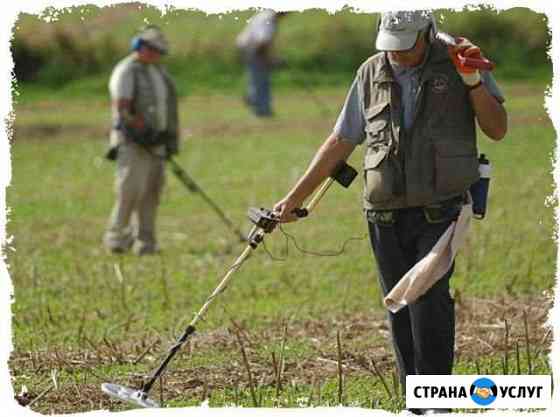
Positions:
(139, 182)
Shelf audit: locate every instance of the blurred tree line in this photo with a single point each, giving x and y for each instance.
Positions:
(88, 41)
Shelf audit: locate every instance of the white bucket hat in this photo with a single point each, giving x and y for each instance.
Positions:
(398, 31)
(154, 38)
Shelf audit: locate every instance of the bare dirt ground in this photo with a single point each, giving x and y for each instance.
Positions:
(491, 334)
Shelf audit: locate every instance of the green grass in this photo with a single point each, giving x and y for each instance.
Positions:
(68, 297)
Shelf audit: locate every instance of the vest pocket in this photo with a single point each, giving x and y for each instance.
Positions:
(456, 166)
(382, 176)
(377, 128)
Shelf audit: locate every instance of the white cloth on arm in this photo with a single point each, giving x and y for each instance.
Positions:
(431, 268)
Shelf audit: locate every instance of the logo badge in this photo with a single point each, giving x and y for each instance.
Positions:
(483, 391)
(478, 391)
(440, 84)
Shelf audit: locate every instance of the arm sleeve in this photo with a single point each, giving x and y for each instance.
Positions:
(492, 86)
(350, 125)
(121, 84)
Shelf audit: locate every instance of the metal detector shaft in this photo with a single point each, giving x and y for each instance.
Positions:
(256, 236)
(225, 280)
(191, 328)
(174, 349)
(182, 175)
(319, 194)
(344, 174)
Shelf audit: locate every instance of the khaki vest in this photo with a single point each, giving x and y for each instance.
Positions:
(145, 100)
(437, 158)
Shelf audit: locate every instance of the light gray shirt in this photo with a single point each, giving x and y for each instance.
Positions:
(259, 31)
(121, 86)
(409, 81)
(160, 89)
(351, 121)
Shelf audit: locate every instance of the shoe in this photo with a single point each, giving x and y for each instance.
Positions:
(266, 114)
(117, 250)
(415, 411)
(247, 101)
(117, 243)
(141, 250)
(432, 411)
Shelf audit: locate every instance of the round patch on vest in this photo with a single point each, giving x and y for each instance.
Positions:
(440, 84)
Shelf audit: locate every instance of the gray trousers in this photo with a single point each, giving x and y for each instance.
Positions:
(140, 178)
(423, 333)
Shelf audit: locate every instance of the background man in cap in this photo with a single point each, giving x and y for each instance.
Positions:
(255, 44)
(416, 107)
(144, 133)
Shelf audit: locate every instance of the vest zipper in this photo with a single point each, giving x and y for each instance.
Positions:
(399, 151)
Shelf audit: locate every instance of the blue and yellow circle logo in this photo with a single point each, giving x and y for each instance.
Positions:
(483, 391)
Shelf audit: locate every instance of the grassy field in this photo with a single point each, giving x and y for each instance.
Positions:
(94, 318)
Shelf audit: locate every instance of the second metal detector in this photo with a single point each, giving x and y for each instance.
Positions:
(264, 221)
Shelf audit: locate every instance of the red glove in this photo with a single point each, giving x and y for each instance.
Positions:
(465, 49)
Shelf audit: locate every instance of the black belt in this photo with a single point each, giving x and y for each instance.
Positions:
(434, 213)
(146, 136)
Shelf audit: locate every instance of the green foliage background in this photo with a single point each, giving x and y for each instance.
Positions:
(320, 48)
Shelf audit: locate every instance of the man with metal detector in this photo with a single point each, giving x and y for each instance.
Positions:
(145, 132)
(415, 104)
(255, 44)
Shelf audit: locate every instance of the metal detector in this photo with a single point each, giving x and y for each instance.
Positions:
(264, 221)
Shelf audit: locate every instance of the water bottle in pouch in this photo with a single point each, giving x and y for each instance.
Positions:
(479, 190)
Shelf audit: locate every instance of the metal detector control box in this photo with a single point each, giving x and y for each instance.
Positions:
(344, 174)
(264, 218)
(267, 219)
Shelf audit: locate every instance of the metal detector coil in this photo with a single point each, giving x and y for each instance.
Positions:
(129, 395)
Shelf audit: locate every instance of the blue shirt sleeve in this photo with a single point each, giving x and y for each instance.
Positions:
(350, 125)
